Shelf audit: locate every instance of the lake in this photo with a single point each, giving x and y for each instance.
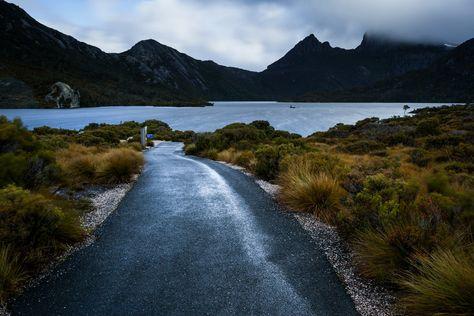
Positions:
(305, 119)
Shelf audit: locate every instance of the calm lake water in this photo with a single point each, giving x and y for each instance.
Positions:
(305, 119)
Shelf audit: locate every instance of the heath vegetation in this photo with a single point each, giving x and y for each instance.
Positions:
(40, 172)
(399, 190)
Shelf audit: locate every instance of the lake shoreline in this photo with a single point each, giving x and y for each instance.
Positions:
(303, 119)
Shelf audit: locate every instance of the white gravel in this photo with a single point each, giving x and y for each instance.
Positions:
(369, 299)
(104, 203)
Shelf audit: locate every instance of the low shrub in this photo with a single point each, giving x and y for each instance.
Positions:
(438, 182)
(442, 284)
(419, 157)
(246, 159)
(190, 149)
(363, 147)
(429, 126)
(268, 161)
(35, 220)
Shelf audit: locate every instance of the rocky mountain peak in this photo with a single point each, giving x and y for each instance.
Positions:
(310, 44)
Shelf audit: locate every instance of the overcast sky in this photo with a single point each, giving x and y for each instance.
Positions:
(250, 33)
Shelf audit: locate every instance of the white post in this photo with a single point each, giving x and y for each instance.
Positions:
(143, 132)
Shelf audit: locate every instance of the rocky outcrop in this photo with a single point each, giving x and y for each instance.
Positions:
(63, 96)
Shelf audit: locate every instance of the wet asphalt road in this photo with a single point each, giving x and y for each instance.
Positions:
(192, 237)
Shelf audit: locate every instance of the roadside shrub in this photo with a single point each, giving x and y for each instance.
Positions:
(11, 274)
(442, 284)
(30, 170)
(35, 226)
(190, 149)
(119, 165)
(246, 159)
(268, 160)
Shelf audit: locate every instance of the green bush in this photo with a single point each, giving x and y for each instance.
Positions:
(428, 126)
(438, 182)
(34, 226)
(363, 147)
(268, 160)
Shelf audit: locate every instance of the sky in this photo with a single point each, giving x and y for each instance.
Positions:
(250, 34)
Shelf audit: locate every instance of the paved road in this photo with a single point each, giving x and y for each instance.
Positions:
(193, 237)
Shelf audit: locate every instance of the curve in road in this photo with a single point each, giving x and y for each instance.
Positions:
(193, 237)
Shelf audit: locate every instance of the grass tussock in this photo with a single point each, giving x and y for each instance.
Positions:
(119, 165)
(243, 158)
(305, 188)
(442, 284)
(87, 165)
(11, 274)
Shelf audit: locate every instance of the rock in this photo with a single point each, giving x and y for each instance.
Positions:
(64, 96)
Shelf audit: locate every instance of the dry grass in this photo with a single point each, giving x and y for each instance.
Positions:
(119, 165)
(10, 273)
(442, 285)
(375, 255)
(244, 159)
(228, 155)
(303, 189)
(86, 165)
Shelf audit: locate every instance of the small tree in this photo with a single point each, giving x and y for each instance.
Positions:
(405, 108)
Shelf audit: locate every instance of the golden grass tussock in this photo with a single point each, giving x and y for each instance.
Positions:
(227, 155)
(244, 158)
(118, 165)
(378, 254)
(87, 165)
(306, 189)
(443, 284)
(11, 274)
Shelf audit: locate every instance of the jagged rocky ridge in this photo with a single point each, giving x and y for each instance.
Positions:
(33, 57)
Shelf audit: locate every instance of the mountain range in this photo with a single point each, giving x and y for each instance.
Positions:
(34, 56)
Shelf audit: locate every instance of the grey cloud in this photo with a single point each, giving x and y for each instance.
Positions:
(253, 33)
